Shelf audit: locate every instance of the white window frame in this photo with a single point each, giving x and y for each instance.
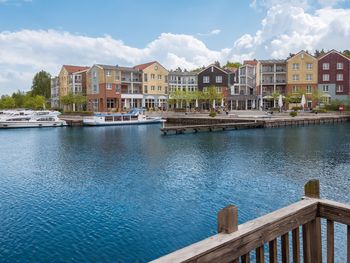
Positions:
(295, 89)
(338, 88)
(340, 77)
(108, 73)
(296, 66)
(325, 66)
(206, 79)
(308, 89)
(325, 77)
(325, 88)
(340, 65)
(309, 66)
(109, 86)
(218, 79)
(308, 77)
(153, 76)
(159, 77)
(296, 77)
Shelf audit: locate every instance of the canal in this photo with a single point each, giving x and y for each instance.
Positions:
(129, 194)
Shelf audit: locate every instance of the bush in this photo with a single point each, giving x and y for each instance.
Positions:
(293, 113)
(297, 108)
(212, 114)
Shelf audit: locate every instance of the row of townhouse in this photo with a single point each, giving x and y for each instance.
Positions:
(252, 86)
(111, 88)
(302, 73)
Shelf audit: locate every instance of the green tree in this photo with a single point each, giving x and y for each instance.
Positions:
(213, 94)
(79, 100)
(233, 64)
(42, 84)
(317, 96)
(19, 98)
(67, 100)
(7, 102)
(346, 53)
(34, 102)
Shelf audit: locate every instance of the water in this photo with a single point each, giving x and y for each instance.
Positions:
(129, 194)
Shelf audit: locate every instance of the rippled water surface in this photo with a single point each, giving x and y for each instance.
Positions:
(129, 194)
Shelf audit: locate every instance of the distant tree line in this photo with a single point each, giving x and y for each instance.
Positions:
(36, 98)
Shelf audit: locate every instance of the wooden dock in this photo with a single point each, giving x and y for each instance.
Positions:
(301, 221)
(211, 127)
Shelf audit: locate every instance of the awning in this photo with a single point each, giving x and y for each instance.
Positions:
(267, 97)
(326, 95)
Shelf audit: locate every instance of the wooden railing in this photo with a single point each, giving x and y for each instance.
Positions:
(236, 243)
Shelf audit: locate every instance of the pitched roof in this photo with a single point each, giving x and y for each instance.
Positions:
(143, 66)
(300, 52)
(215, 66)
(333, 51)
(250, 62)
(72, 69)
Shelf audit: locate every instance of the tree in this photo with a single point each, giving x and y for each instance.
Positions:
(7, 102)
(34, 102)
(317, 96)
(67, 100)
(319, 53)
(19, 98)
(346, 53)
(42, 84)
(233, 64)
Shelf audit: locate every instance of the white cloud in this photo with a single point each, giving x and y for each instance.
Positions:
(211, 33)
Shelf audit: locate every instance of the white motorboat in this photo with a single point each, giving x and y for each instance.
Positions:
(135, 116)
(32, 120)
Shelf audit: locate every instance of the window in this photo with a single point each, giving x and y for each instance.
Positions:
(340, 65)
(145, 88)
(108, 73)
(308, 76)
(325, 88)
(94, 74)
(325, 77)
(159, 88)
(308, 66)
(340, 88)
(155, 66)
(308, 89)
(159, 77)
(109, 86)
(145, 77)
(117, 77)
(205, 79)
(340, 77)
(325, 66)
(152, 76)
(95, 90)
(296, 77)
(295, 89)
(117, 88)
(218, 79)
(152, 88)
(166, 79)
(295, 66)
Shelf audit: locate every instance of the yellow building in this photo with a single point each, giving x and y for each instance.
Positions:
(302, 76)
(155, 85)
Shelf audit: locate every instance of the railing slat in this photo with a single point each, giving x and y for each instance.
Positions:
(285, 248)
(245, 258)
(296, 245)
(259, 253)
(306, 243)
(348, 241)
(330, 241)
(273, 251)
(316, 242)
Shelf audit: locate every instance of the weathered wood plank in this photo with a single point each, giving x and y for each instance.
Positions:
(285, 248)
(334, 211)
(296, 245)
(245, 258)
(226, 247)
(259, 254)
(228, 219)
(330, 241)
(316, 240)
(273, 251)
(306, 243)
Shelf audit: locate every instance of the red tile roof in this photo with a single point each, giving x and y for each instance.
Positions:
(72, 69)
(143, 66)
(250, 62)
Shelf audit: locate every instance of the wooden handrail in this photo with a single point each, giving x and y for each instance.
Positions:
(234, 242)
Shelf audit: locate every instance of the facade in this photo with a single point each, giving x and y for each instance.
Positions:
(131, 88)
(243, 95)
(214, 76)
(155, 85)
(333, 76)
(182, 80)
(103, 88)
(302, 76)
(55, 97)
(71, 80)
(271, 79)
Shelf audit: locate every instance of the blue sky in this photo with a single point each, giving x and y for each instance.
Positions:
(42, 35)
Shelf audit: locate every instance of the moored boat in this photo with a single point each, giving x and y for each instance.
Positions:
(35, 119)
(135, 116)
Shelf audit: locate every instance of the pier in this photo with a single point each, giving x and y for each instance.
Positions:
(301, 221)
(180, 125)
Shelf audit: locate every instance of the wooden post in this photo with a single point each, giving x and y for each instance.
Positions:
(313, 228)
(273, 251)
(228, 219)
(312, 189)
(330, 241)
(296, 245)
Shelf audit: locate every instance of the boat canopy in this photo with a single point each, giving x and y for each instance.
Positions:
(133, 112)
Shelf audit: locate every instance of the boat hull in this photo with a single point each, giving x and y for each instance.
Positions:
(119, 123)
(36, 124)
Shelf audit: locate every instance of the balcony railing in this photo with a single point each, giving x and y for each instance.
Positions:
(235, 243)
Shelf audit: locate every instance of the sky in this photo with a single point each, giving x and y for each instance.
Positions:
(43, 35)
